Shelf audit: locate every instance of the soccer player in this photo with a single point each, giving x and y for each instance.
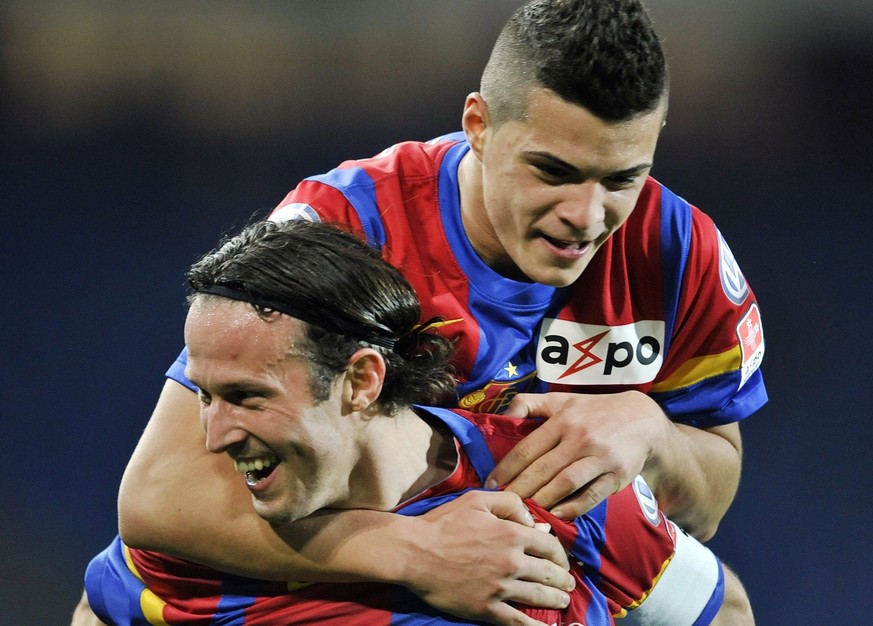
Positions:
(574, 286)
(308, 355)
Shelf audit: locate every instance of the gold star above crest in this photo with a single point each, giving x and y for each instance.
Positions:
(511, 370)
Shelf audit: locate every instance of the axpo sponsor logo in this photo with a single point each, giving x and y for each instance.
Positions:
(589, 354)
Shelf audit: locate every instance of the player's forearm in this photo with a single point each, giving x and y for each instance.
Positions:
(342, 547)
(695, 475)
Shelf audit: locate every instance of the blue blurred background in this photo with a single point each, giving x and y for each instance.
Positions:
(133, 135)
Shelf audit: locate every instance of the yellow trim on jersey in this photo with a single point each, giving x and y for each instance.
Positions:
(130, 565)
(151, 605)
(635, 604)
(695, 370)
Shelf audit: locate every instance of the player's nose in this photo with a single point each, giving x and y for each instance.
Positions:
(222, 427)
(583, 206)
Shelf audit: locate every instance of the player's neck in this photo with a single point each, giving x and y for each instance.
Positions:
(473, 216)
(477, 224)
(408, 455)
(441, 458)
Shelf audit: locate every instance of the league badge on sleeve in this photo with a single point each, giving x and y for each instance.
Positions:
(646, 500)
(751, 336)
(732, 280)
(295, 211)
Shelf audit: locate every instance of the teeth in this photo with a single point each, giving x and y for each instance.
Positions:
(254, 465)
(563, 243)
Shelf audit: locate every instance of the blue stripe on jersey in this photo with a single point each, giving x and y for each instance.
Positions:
(488, 283)
(113, 591)
(506, 310)
(598, 611)
(177, 371)
(691, 405)
(675, 244)
(590, 538)
(359, 189)
(237, 595)
(470, 438)
(714, 603)
(420, 507)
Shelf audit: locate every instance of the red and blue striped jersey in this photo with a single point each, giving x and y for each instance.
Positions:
(665, 576)
(663, 307)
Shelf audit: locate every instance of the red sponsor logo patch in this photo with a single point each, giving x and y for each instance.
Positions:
(751, 336)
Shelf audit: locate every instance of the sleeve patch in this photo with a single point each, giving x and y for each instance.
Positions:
(751, 336)
(295, 211)
(732, 280)
(646, 500)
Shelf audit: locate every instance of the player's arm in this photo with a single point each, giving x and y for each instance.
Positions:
(469, 558)
(592, 446)
(596, 444)
(648, 569)
(735, 609)
(696, 474)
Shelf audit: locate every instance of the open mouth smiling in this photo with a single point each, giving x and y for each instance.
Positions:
(256, 470)
(571, 247)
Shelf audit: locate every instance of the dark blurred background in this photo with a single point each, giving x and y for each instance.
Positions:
(135, 134)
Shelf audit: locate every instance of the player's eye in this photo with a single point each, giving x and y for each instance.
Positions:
(617, 183)
(551, 172)
(245, 398)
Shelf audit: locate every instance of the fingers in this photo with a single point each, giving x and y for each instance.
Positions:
(529, 465)
(537, 404)
(486, 556)
(538, 582)
(545, 559)
(591, 479)
(538, 595)
(587, 498)
(506, 615)
(567, 490)
(588, 448)
(531, 595)
(503, 504)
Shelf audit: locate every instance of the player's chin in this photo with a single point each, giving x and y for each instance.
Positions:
(549, 265)
(274, 511)
(554, 275)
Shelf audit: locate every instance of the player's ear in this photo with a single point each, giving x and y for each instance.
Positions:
(362, 382)
(476, 122)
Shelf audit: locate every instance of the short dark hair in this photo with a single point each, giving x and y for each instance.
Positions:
(347, 296)
(603, 55)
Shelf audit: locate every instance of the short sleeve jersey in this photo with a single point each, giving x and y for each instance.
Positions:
(663, 307)
(666, 576)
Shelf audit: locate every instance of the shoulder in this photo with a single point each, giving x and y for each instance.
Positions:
(410, 157)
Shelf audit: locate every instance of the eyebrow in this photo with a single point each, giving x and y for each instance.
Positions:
(232, 387)
(630, 171)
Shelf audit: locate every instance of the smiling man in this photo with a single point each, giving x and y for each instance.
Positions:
(575, 287)
(540, 195)
(307, 353)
